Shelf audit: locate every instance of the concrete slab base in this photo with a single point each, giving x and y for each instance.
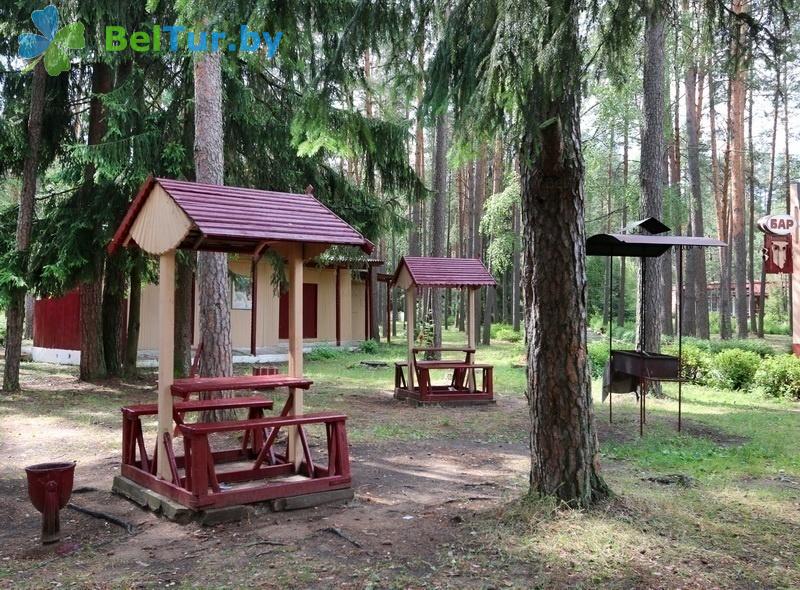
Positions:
(180, 514)
(410, 399)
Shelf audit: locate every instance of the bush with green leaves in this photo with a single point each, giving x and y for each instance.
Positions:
(598, 357)
(322, 353)
(779, 376)
(695, 362)
(734, 368)
(759, 347)
(508, 334)
(368, 347)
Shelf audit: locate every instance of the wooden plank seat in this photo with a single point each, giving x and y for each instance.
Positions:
(133, 437)
(183, 388)
(399, 375)
(463, 386)
(201, 472)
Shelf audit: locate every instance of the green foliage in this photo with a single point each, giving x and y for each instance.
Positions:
(695, 361)
(759, 347)
(734, 368)
(598, 357)
(506, 333)
(368, 347)
(776, 316)
(497, 225)
(779, 377)
(322, 353)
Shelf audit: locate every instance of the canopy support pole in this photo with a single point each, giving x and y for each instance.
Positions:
(166, 357)
(295, 272)
(680, 335)
(411, 303)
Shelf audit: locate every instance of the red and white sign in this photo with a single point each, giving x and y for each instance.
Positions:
(777, 254)
(776, 225)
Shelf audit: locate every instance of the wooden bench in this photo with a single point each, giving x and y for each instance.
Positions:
(460, 372)
(201, 473)
(133, 438)
(183, 388)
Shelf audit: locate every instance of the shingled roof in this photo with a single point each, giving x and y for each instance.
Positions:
(426, 271)
(235, 219)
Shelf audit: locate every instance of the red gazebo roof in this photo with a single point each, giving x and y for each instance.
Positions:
(445, 272)
(236, 219)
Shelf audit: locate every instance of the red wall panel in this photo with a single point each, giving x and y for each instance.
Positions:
(57, 322)
(309, 313)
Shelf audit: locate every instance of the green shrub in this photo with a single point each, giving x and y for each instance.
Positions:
(734, 368)
(759, 347)
(779, 376)
(322, 353)
(368, 347)
(508, 334)
(695, 362)
(598, 357)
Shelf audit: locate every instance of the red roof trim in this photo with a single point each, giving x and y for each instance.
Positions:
(445, 272)
(241, 215)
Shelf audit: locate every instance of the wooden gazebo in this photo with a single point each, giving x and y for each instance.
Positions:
(167, 215)
(468, 274)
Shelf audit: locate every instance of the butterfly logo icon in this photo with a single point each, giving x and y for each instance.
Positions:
(53, 44)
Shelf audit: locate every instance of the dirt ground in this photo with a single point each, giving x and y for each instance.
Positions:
(429, 484)
(411, 502)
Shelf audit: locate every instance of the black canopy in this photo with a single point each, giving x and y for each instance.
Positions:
(642, 246)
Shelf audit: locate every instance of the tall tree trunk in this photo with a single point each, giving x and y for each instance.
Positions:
(93, 362)
(114, 313)
(516, 273)
(438, 220)
(30, 303)
(212, 267)
(478, 195)
(696, 257)
(666, 267)
(651, 181)
(770, 187)
(461, 190)
(563, 440)
(751, 206)
(134, 318)
(609, 262)
(184, 295)
(414, 245)
(622, 262)
(787, 169)
(491, 294)
(15, 312)
(721, 208)
(738, 95)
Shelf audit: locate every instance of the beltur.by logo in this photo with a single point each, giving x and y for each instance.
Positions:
(171, 38)
(53, 44)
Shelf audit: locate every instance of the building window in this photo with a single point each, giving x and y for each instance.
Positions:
(241, 292)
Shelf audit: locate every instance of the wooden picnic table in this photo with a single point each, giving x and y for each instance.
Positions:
(185, 387)
(459, 385)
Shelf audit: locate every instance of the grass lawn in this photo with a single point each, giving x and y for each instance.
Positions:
(440, 494)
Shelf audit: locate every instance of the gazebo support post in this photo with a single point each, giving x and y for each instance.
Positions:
(338, 306)
(470, 325)
(253, 304)
(295, 268)
(166, 356)
(411, 302)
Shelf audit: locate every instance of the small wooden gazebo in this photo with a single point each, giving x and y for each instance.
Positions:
(167, 215)
(468, 274)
